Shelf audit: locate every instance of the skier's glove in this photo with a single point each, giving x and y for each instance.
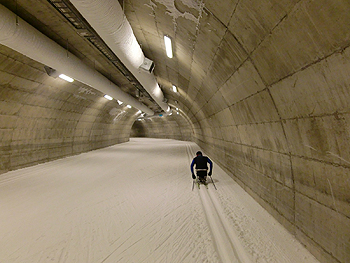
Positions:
(193, 176)
(209, 173)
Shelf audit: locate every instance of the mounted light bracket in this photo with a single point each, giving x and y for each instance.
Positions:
(51, 72)
(147, 65)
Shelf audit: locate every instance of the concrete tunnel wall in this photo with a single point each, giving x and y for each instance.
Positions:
(43, 118)
(270, 105)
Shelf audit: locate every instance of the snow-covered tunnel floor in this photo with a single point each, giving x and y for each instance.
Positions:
(133, 202)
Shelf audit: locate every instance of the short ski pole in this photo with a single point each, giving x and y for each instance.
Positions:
(192, 184)
(213, 182)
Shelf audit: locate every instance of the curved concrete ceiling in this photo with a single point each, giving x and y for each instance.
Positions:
(263, 88)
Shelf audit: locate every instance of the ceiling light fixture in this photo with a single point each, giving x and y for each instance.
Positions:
(119, 102)
(174, 88)
(108, 97)
(66, 78)
(168, 46)
(128, 106)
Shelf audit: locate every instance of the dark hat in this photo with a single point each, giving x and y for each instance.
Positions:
(199, 153)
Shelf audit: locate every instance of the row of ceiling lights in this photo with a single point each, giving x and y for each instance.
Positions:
(66, 8)
(69, 79)
(119, 102)
(169, 52)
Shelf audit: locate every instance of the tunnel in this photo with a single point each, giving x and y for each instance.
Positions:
(261, 86)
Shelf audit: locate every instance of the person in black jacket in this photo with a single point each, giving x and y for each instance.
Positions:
(201, 162)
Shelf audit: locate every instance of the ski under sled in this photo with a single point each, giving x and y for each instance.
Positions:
(199, 182)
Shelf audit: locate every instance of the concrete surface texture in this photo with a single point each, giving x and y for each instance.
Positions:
(263, 89)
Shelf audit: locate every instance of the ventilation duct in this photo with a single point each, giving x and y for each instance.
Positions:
(108, 20)
(28, 41)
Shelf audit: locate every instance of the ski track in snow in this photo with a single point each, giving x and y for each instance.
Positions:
(133, 202)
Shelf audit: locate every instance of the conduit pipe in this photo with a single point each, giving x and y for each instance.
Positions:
(108, 20)
(28, 41)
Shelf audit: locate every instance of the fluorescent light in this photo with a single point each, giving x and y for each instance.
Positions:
(119, 102)
(139, 112)
(108, 97)
(66, 78)
(174, 88)
(128, 106)
(168, 47)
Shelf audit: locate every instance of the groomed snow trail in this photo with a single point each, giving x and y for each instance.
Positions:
(226, 240)
(133, 202)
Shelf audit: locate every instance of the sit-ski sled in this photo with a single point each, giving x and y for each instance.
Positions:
(204, 182)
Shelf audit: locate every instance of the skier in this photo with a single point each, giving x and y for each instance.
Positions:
(201, 167)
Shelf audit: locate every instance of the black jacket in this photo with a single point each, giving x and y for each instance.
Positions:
(201, 163)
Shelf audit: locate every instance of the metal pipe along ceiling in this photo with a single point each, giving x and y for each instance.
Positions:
(108, 19)
(28, 41)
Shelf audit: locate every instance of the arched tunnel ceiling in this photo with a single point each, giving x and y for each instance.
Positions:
(211, 42)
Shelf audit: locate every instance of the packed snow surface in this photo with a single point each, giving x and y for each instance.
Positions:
(133, 202)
